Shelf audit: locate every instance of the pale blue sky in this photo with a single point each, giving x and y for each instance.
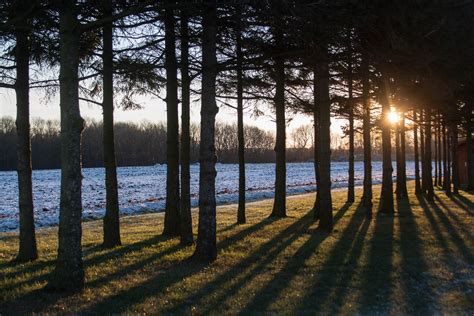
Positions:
(153, 111)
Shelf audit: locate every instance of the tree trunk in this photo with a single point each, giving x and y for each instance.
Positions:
(171, 225)
(367, 195)
(112, 215)
(316, 143)
(279, 204)
(185, 202)
(417, 155)
(206, 243)
(435, 141)
(324, 199)
(446, 166)
(27, 250)
(427, 184)
(69, 272)
(386, 194)
(469, 158)
(398, 160)
(240, 118)
(454, 157)
(422, 148)
(351, 180)
(402, 191)
(438, 130)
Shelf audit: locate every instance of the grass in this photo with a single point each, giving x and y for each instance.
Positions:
(419, 261)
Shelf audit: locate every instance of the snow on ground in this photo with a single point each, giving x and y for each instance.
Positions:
(143, 189)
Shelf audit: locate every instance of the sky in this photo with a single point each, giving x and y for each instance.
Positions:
(154, 110)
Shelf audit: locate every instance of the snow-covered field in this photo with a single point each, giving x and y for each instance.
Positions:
(142, 189)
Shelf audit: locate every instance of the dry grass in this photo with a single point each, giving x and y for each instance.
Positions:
(418, 261)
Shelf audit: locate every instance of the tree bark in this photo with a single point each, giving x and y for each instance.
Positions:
(438, 132)
(69, 273)
(435, 141)
(351, 179)
(112, 214)
(446, 166)
(317, 141)
(422, 149)
(402, 191)
(386, 194)
(367, 195)
(206, 248)
(470, 158)
(27, 249)
(185, 202)
(172, 209)
(427, 184)
(454, 157)
(417, 155)
(240, 118)
(279, 204)
(324, 199)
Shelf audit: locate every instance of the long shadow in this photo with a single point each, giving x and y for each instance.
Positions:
(264, 255)
(88, 262)
(463, 203)
(454, 217)
(444, 220)
(377, 286)
(418, 295)
(275, 287)
(41, 299)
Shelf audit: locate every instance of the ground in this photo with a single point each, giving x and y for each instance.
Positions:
(419, 261)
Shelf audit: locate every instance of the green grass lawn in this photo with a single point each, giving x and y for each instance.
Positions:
(419, 261)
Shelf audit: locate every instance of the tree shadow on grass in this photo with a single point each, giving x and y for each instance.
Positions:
(463, 202)
(314, 297)
(378, 280)
(42, 300)
(233, 280)
(433, 211)
(453, 216)
(417, 292)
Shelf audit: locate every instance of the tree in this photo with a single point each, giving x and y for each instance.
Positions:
(69, 273)
(386, 194)
(367, 195)
(323, 197)
(172, 225)
(28, 249)
(185, 201)
(112, 214)
(206, 248)
(279, 203)
(240, 115)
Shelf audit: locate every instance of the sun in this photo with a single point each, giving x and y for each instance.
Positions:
(393, 117)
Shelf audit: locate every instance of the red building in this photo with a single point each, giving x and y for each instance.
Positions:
(462, 160)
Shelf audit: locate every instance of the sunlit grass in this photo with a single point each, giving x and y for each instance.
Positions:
(419, 261)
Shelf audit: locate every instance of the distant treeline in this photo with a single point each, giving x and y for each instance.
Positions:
(141, 144)
(137, 144)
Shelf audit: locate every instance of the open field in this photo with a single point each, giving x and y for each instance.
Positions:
(419, 261)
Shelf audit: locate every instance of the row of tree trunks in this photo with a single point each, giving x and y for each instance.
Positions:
(27, 248)
(367, 194)
(206, 248)
(172, 209)
(112, 217)
(186, 235)
(68, 273)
